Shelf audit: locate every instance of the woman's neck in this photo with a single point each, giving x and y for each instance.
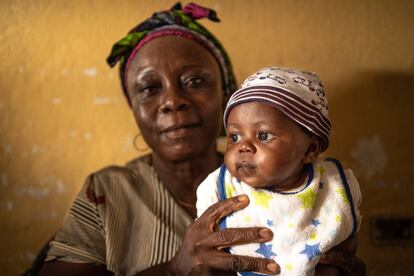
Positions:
(182, 178)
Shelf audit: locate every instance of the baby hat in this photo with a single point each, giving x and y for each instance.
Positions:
(298, 94)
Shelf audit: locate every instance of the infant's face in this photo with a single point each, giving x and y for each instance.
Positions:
(265, 149)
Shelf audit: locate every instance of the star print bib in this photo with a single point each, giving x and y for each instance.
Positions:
(306, 222)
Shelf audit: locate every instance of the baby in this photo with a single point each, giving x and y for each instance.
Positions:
(277, 124)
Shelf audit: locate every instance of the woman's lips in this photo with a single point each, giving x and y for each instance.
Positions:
(179, 131)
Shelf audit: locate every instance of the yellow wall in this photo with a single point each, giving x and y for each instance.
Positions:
(62, 114)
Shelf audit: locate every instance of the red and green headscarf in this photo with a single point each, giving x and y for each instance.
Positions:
(177, 21)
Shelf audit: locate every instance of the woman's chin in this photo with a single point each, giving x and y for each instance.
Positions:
(180, 152)
(185, 147)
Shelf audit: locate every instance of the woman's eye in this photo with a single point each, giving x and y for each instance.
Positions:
(148, 88)
(264, 136)
(193, 82)
(234, 138)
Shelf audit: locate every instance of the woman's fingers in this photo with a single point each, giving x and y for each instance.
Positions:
(230, 262)
(219, 210)
(234, 236)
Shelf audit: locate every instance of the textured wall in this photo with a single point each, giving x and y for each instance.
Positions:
(62, 114)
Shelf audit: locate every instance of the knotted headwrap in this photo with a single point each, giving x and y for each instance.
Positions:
(299, 95)
(174, 22)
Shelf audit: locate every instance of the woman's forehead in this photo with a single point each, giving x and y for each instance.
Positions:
(173, 46)
(172, 50)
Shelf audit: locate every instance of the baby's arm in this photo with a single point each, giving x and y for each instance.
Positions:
(207, 192)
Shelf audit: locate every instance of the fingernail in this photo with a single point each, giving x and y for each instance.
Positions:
(265, 233)
(242, 198)
(272, 267)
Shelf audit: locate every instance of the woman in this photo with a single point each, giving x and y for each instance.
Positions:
(138, 219)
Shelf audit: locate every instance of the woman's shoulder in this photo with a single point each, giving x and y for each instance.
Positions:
(136, 171)
(133, 167)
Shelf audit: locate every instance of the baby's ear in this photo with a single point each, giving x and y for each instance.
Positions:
(313, 151)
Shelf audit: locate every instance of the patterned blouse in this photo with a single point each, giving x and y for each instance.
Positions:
(123, 218)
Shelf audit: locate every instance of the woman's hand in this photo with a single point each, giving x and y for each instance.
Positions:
(201, 252)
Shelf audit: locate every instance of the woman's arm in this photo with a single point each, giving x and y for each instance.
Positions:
(75, 241)
(201, 252)
(64, 268)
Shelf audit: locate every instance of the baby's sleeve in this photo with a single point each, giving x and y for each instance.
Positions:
(356, 195)
(207, 192)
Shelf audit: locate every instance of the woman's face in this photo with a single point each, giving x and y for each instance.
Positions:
(175, 89)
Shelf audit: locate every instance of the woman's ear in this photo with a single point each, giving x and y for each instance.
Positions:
(313, 150)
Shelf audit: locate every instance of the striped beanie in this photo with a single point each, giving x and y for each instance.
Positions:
(299, 95)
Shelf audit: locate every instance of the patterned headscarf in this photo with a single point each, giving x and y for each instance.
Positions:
(174, 22)
(298, 94)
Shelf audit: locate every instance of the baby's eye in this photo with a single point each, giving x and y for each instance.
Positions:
(264, 136)
(234, 137)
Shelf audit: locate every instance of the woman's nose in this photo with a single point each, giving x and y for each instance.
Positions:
(246, 147)
(173, 100)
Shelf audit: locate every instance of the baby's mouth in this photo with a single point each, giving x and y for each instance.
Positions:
(245, 165)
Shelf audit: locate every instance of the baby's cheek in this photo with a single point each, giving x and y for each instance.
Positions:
(230, 160)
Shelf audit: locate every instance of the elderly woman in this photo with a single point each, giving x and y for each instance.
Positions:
(139, 219)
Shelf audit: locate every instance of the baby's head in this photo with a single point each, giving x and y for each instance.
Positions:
(276, 123)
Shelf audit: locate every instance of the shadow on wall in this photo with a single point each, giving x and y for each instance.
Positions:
(379, 101)
(373, 118)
